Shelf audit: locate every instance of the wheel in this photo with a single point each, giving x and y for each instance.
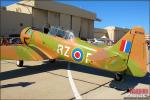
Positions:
(19, 63)
(118, 77)
(52, 60)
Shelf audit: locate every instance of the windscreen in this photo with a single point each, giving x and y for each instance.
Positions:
(56, 31)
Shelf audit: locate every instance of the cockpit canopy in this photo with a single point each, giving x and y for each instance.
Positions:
(57, 31)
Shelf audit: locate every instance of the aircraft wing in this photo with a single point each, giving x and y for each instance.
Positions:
(21, 52)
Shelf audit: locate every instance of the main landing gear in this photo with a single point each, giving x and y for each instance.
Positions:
(118, 77)
(52, 60)
(19, 63)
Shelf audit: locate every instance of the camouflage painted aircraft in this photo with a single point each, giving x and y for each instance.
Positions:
(127, 56)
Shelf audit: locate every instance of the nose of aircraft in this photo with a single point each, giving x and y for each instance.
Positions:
(25, 35)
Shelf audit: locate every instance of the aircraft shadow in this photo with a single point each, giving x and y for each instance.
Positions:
(22, 84)
(31, 70)
(129, 81)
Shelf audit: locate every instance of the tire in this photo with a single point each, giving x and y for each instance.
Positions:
(52, 60)
(118, 77)
(19, 63)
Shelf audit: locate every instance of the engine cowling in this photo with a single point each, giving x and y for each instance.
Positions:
(25, 35)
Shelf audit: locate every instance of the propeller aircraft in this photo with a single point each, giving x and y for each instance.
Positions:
(127, 56)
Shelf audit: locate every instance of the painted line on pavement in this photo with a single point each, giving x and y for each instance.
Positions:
(73, 86)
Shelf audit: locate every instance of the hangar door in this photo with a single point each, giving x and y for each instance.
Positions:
(90, 29)
(53, 18)
(76, 23)
(65, 21)
(40, 18)
(84, 29)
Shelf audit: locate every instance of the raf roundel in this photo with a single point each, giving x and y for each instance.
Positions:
(77, 54)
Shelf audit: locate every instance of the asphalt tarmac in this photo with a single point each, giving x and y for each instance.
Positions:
(63, 80)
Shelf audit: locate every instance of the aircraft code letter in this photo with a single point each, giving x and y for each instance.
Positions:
(60, 49)
(66, 52)
(87, 55)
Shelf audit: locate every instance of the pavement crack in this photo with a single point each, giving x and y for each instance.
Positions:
(67, 77)
(91, 90)
(98, 85)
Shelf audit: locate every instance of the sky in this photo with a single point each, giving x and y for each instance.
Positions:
(126, 14)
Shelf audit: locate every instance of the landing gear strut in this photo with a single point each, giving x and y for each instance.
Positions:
(118, 77)
(19, 63)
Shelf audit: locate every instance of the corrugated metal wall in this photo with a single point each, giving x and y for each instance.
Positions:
(53, 18)
(13, 22)
(65, 21)
(84, 28)
(76, 24)
(40, 18)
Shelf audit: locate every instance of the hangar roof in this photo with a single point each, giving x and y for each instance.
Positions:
(100, 30)
(115, 28)
(59, 7)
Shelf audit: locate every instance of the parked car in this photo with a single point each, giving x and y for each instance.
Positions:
(15, 41)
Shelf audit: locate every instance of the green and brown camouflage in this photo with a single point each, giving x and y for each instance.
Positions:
(40, 46)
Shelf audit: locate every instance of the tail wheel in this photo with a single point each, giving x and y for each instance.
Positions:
(19, 63)
(118, 77)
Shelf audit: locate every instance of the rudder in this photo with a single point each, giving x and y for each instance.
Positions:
(132, 48)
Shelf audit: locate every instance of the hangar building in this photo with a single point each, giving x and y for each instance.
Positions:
(111, 32)
(99, 32)
(37, 13)
(116, 33)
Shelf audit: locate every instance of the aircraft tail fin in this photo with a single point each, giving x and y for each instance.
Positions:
(132, 48)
